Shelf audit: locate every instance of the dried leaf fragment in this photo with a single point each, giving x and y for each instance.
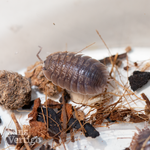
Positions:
(38, 129)
(52, 104)
(122, 114)
(138, 118)
(80, 114)
(119, 115)
(99, 118)
(35, 73)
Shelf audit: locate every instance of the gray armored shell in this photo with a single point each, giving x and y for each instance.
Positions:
(76, 72)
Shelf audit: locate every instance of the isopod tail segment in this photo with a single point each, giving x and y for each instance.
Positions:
(39, 56)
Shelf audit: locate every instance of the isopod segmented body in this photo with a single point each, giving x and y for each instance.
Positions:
(76, 72)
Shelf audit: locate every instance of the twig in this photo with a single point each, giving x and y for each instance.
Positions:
(114, 61)
(47, 112)
(19, 129)
(83, 130)
(63, 134)
(72, 135)
(43, 115)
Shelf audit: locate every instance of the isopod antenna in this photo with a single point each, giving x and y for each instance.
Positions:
(39, 56)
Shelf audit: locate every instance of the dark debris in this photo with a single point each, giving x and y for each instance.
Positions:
(138, 79)
(53, 119)
(29, 106)
(90, 130)
(46, 147)
(74, 123)
(66, 97)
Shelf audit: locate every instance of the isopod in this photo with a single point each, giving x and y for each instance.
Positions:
(141, 140)
(76, 72)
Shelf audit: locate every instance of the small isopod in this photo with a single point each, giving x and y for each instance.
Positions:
(75, 72)
(141, 140)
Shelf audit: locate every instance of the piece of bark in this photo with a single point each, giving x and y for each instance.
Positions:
(63, 134)
(119, 115)
(69, 112)
(106, 60)
(138, 118)
(90, 131)
(52, 104)
(34, 112)
(138, 79)
(147, 106)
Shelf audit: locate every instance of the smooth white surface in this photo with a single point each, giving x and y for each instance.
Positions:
(26, 24)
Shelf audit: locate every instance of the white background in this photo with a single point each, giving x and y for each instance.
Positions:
(26, 24)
